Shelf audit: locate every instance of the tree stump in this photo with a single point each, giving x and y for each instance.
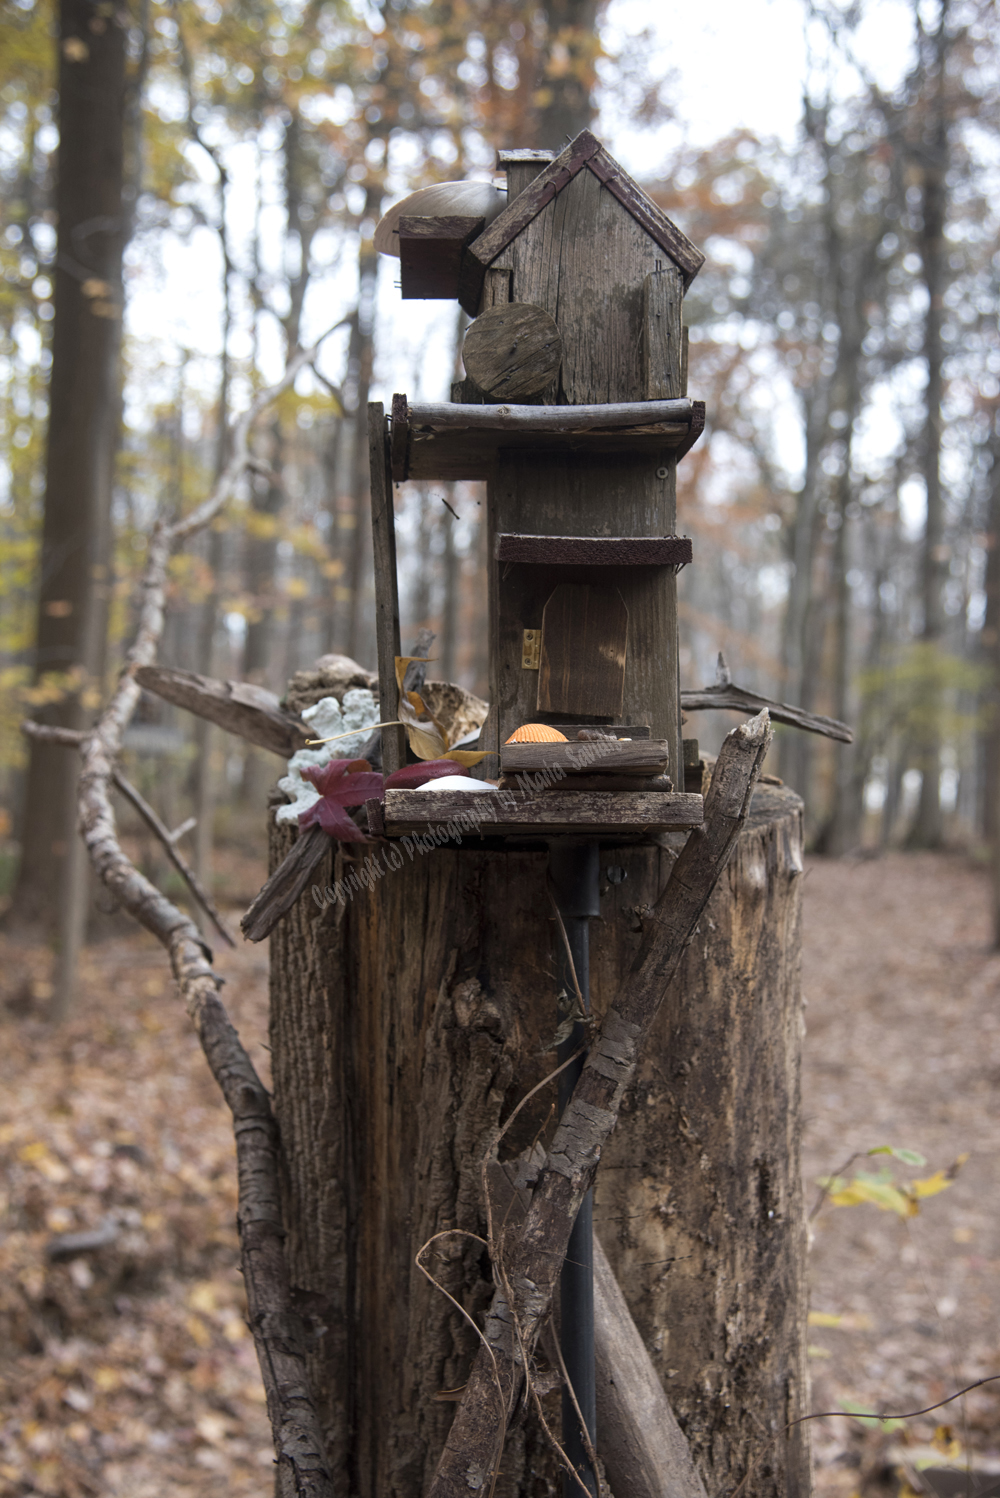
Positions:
(406, 1023)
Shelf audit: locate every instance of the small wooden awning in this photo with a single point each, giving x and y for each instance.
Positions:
(447, 440)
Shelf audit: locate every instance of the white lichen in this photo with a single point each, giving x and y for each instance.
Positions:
(328, 718)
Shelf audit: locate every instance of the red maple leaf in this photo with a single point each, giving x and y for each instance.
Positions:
(342, 782)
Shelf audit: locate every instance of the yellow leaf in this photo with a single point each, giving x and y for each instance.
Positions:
(402, 661)
(213, 1428)
(945, 1441)
(426, 740)
(467, 757)
(261, 525)
(198, 1331)
(931, 1185)
(203, 1298)
(881, 1194)
(824, 1318)
(939, 1181)
(40, 1156)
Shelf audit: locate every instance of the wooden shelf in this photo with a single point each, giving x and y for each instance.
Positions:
(594, 551)
(447, 440)
(541, 813)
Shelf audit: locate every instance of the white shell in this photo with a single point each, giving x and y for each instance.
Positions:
(456, 783)
(472, 199)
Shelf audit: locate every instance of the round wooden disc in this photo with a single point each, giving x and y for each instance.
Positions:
(512, 350)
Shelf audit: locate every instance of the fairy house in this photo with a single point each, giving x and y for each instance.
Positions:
(414, 1026)
(575, 411)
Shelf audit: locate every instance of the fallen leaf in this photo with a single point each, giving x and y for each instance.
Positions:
(341, 783)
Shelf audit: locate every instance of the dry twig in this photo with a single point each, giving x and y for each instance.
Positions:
(183, 868)
(725, 695)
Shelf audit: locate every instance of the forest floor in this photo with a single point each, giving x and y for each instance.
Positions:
(903, 1049)
(130, 1371)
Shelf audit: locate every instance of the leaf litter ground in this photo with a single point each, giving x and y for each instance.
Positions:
(130, 1370)
(903, 1048)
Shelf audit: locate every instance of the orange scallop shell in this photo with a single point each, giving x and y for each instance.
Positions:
(537, 733)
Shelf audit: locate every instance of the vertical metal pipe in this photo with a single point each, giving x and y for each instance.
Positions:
(573, 868)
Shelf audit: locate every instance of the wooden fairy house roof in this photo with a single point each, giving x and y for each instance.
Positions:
(584, 154)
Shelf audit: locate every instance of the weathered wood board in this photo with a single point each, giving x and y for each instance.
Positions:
(541, 812)
(595, 551)
(430, 255)
(512, 350)
(632, 493)
(462, 439)
(585, 261)
(584, 647)
(386, 583)
(613, 756)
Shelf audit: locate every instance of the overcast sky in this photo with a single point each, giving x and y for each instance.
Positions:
(743, 63)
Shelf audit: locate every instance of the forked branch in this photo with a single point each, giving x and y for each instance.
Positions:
(277, 1328)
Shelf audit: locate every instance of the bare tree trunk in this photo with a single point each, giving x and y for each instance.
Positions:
(406, 1023)
(260, 561)
(990, 645)
(334, 587)
(564, 87)
(793, 750)
(205, 736)
(451, 564)
(933, 156)
(204, 780)
(84, 412)
(361, 352)
(421, 597)
(268, 495)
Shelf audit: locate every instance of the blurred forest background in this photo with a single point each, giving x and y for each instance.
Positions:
(844, 500)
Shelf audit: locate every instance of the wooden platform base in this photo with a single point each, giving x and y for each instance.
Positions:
(539, 813)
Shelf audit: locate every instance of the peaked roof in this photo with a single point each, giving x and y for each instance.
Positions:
(585, 151)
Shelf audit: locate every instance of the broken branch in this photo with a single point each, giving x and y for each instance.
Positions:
(740, 701)
(168, 840)
(285, 885)
(239, 707)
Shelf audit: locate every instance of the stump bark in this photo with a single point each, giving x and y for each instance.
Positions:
(408, 1022)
